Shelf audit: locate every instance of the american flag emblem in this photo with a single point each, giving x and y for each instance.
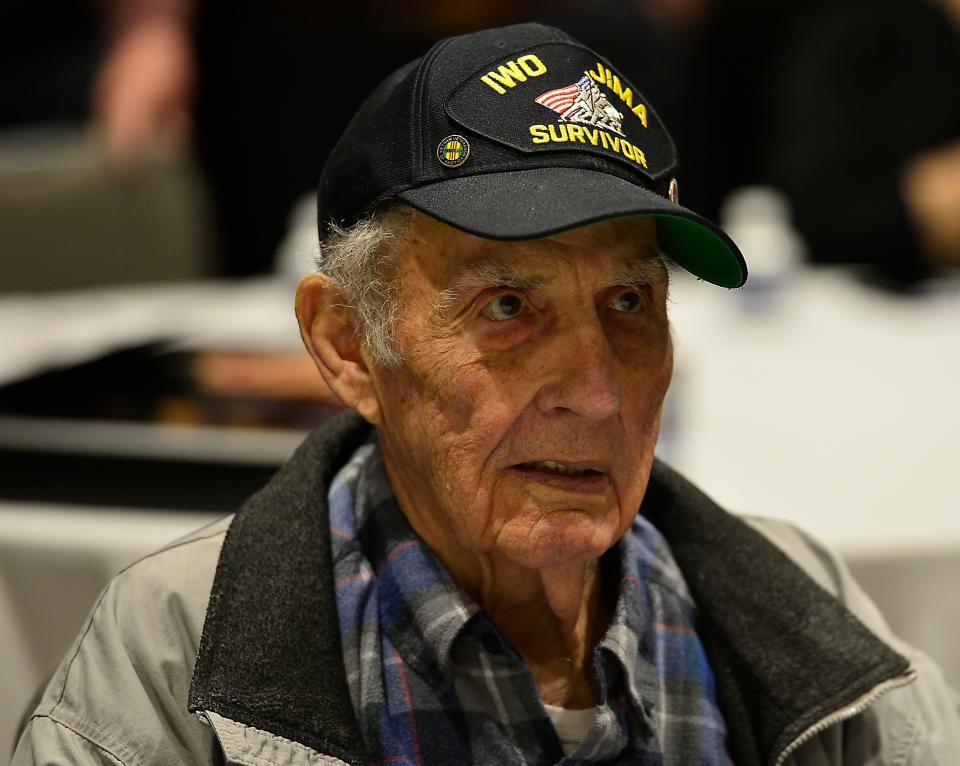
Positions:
(561, 99)
(583, 102)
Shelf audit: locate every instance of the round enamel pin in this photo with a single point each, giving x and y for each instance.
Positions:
(673, 192)
(453, 151)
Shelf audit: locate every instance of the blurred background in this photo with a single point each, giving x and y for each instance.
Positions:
(156, 165)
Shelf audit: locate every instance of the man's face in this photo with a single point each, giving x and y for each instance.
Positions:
(523, 420)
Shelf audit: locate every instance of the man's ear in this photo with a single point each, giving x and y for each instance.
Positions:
(329, 332)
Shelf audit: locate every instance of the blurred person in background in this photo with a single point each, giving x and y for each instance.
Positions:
(144, 90)
(846, 106)
(865, 135)
(127, 66)
(96, 113)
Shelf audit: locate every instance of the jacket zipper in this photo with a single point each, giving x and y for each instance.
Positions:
(851, 710)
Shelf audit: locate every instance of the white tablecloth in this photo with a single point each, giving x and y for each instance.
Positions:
(837, 409)
(54, 561)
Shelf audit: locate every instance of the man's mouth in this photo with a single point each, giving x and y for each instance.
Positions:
(580, 477)
(564, 469)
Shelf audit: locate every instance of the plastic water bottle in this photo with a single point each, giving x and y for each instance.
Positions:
(758, 219)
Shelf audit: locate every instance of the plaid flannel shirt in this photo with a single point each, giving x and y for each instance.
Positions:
(433, 681)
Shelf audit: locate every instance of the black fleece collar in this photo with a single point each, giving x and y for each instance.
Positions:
(784, 652)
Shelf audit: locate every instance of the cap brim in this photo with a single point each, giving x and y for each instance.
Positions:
(526, 204)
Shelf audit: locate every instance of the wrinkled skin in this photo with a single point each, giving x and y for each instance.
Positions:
(515, 353)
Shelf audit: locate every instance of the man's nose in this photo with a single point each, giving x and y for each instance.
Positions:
(581, 373)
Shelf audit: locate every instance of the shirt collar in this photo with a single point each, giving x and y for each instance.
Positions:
(633, 645)
(421, 608)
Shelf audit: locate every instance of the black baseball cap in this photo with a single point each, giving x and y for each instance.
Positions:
(517, 133)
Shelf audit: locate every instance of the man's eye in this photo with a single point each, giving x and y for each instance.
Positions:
(629, 302)
(503, 307)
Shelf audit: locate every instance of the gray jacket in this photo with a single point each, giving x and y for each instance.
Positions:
(223, 647)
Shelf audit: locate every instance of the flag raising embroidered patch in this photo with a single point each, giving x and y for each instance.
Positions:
(585, 103)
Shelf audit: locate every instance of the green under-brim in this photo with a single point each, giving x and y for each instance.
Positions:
(701, 250)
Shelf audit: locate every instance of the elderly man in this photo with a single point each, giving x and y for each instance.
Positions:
(485, 563)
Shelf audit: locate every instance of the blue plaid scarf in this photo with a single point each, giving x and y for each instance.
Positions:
(433, 681)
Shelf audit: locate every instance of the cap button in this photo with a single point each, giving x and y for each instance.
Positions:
(453, 151)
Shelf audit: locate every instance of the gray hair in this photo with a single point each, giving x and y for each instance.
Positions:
(359, 260)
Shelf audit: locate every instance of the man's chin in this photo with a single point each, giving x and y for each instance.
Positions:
(561, 537)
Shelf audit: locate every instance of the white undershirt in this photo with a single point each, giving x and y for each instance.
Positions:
(571, 725)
